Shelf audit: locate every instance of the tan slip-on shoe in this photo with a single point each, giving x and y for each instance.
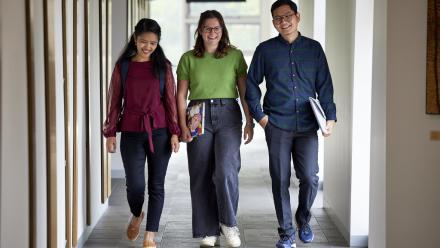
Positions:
(133, 227)
(148, 243)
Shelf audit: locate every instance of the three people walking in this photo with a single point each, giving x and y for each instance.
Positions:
(144, 106)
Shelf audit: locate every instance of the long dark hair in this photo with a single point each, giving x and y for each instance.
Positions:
(157, 57)
(224, 43)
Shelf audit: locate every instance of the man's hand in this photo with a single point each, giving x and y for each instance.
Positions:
(263, 122)
(329, 128)
(111, 144)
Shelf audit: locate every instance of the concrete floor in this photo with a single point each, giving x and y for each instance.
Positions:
(256, 215)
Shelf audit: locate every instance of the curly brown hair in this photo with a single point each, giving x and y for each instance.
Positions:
(224, 43)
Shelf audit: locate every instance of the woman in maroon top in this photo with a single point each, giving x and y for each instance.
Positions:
(142, 105)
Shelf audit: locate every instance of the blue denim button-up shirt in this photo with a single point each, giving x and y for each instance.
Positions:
(293, 72)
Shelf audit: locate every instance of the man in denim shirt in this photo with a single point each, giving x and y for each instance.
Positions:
(295, 68)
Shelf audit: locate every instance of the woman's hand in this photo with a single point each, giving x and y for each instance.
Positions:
(186, 134)
(175, 143)
(248, 133)
(111, 144)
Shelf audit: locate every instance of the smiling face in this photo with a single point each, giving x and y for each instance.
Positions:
(211, 32)
(285, 21)
(146, 43)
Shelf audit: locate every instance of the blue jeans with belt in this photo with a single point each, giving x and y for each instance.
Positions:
(214, 163)
(302, 148)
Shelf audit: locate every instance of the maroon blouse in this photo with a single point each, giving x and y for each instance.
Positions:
(144, 109)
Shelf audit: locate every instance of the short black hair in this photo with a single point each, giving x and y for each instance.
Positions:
(279, 3)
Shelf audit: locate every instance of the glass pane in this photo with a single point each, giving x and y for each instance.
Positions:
(172, 40)
(245, 37)
(248, 8)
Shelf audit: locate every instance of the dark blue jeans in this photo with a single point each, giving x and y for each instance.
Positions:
(303, 149)
(134, 150)
(214, 163)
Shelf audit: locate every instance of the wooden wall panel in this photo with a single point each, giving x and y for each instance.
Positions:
(50, 107)
(433, 59)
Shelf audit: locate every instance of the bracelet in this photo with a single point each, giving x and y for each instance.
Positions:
(250, 124)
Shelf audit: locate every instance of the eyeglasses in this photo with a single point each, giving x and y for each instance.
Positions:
(278, 19)
(209, 29)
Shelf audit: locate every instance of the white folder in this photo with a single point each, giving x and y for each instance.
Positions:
(319, 114)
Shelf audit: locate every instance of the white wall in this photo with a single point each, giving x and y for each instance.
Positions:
(338, 147)
(95, 129)
(377, 225)
(119, 28)
(14, 163)
(60, 139)
(119, 39)
(361, 125)
(40, 125)
(349, 46)
(320, 21)
(267, 30)
(81, 146)
(97, 208)
(306, 8)
(14, 205)
(413, 160)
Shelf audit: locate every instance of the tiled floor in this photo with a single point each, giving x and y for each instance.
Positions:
(257, 220)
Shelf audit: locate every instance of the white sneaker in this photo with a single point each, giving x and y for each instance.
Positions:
(232, 235)
(210, 241)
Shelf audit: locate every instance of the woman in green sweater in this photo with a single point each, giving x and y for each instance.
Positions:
(214, 73)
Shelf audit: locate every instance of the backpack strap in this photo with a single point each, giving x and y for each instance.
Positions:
(124, 72)
(162, 83)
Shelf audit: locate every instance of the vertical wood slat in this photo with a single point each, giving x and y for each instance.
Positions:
(31, 122)
(75, 126)
(102, 70)
(107, 80)
(129, 16)
(50, 107)
(67, 138)
(433, 58)
(87, 110)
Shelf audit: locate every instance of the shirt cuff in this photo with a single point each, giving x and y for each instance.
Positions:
(109, 133)
(330, 111)
(259, 115)
(174, 129)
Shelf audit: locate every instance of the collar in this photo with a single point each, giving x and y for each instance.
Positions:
(294, 43)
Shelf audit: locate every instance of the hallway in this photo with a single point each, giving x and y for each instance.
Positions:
(257, 220)
(56, 61)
